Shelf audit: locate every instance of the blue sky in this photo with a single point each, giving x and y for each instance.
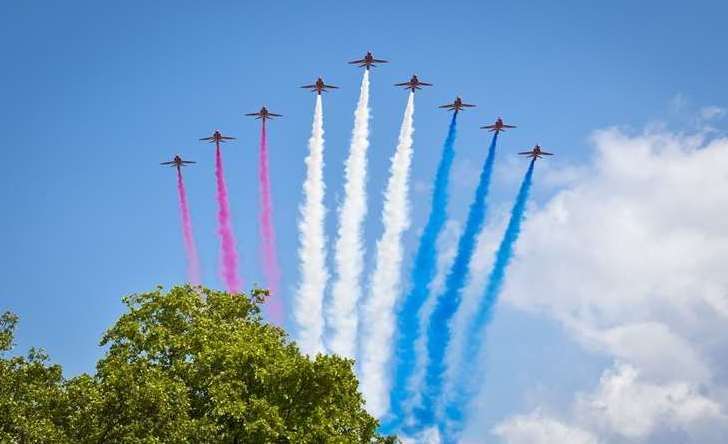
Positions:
(94, 95)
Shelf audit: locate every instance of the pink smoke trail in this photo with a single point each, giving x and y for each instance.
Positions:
(225, 230)
(270, 260)
(193, 262)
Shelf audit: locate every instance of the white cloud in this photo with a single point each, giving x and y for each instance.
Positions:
(711, 112)
(652, 346)
(622, 408)
(626, 405)
(427, 436)
(631, 258)
(643, 237)
(538, 429)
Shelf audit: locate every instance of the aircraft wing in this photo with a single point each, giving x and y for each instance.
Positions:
(425, 84)
(525, 153)
(467, 105)
(167, 163)
(185, 162)
(249, 114)
(275, 115)
(354, 62)
(488, 127)
(208, 139)
(402, 84)
(509, 126)
(331, 86)
(447, 106)
(547, 154)
(227, 138)
(379, 61)
(308, 86)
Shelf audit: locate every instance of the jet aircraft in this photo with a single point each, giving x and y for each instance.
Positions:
(457, 105)
(413, 83)
(264, 114)
(319, 86)
(217, 137)
(498, 126)
(368, 61)
(177, 162)
(535, 153)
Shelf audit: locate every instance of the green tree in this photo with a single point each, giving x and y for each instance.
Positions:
(30, 392)
(186, 366)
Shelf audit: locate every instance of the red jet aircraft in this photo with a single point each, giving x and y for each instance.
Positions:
(217, 137)
(413, 84)
(368, 61)
(498, 126)
(264, 114)
(535, 153)
(319, 86)
(177, 162)
(457, 105)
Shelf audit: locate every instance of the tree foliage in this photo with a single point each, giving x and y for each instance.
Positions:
(185, 366)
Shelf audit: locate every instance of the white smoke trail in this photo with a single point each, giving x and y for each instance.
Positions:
(341, 314)
(307, 307)
(378, 315)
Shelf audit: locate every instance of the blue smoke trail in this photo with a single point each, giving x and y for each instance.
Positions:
(423, 272)
(484, 312)
(438, 331)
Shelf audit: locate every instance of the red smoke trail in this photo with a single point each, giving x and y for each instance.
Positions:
(270, 259)
(193, 263)
(225, 230)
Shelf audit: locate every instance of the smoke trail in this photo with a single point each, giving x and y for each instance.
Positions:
(270, 259)
(480, 266)
(341, 313)
(225, 231)
(379, 322)
(438, 331)
(193, 262)
(423, 271)
(311, 252)
(446, 247)
(456, 403)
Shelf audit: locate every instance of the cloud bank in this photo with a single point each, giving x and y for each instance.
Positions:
(630, 257)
